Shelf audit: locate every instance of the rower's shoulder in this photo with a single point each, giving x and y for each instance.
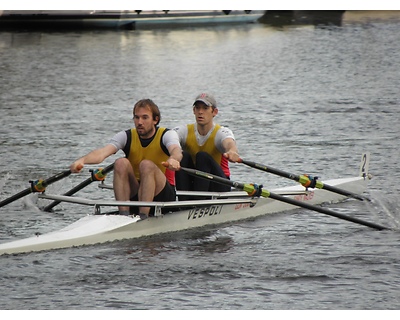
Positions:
(224, 129)
(183, 127)
(181, 130)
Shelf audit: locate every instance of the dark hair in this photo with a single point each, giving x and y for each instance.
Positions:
(148, 103)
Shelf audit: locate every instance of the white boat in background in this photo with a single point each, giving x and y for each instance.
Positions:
(221, 208)
(124, 20)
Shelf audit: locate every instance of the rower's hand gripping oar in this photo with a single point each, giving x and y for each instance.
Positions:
(303, 179)
(96, 175)
(36, 186)
(251, 189)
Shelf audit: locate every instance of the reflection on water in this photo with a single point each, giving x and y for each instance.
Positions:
(318, 18)
(279, 18)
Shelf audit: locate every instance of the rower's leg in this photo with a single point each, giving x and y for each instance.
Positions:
(183, 180)
(125, 183)
(205, 163)
(152, 182)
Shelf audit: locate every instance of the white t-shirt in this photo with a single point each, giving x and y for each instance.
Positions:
(221, 135)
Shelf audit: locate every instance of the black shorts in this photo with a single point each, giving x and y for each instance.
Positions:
(166, 194)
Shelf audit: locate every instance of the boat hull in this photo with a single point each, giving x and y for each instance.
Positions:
(94, 229)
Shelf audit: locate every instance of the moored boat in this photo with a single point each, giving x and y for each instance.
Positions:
(122, 20)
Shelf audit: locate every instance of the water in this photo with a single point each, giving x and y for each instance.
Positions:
(300, 98)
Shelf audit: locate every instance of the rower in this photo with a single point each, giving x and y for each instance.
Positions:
(152, 154)
(207, 146)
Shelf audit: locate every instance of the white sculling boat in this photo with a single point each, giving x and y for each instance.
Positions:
(221, 208)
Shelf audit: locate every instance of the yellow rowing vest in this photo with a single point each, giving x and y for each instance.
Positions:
(153, 151)
(193, 148)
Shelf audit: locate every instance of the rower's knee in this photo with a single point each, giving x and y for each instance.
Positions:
(147, 166)
(122, 166)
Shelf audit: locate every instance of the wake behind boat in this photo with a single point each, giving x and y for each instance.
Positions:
(221, 208)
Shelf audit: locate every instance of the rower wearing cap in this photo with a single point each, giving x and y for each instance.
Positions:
(207, 146)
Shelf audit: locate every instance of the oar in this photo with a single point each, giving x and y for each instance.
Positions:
(36, 186)
(304, 180)
(96, 175)
(265, 193)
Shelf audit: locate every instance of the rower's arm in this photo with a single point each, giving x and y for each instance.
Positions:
(171, 141)
(93, 157)
(231, 150)
(175, 157)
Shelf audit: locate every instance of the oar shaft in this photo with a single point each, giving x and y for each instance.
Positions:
(326, 211)
(56, 178)
(271, 170)
(15, 197)
(343, 192)
(267, 194)
(29, 190)
(101, 174)
(301, 179)
(69, 193)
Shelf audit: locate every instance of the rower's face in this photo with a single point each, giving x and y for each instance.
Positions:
(203, 113)
(144, 123)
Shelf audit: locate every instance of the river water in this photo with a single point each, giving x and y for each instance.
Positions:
(302, 98)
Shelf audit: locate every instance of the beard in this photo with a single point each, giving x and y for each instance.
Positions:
(143, 133)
